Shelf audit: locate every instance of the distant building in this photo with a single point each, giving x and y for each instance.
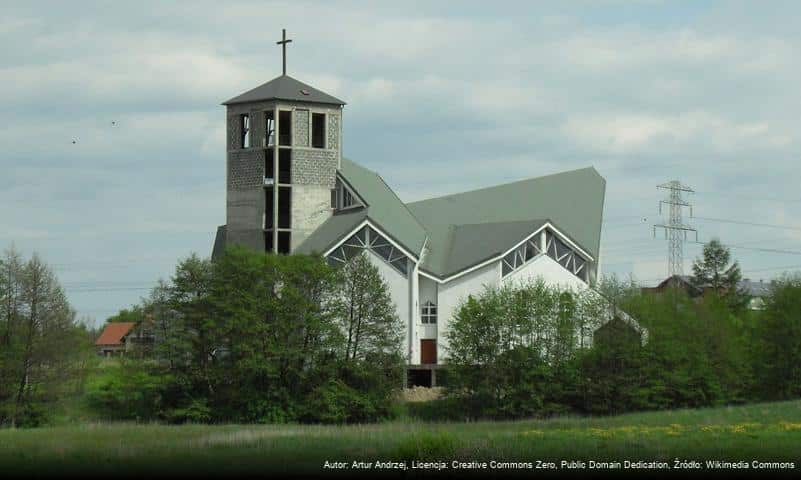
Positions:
(683, 282)
(757, 291)
(119, 338)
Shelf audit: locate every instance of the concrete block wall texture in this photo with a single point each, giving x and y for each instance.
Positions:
(257, 124)
(333, 131)
(311, 166)
(313, 172)
(311, 206)
(300, 128)
(234, 131)
(246, 169)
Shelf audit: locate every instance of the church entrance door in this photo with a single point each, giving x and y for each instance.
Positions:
(428, 352)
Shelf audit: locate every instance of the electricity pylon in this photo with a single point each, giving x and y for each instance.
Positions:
(676, 230)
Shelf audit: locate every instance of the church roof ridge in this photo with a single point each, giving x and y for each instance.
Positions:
(506, 184)
(285, 87)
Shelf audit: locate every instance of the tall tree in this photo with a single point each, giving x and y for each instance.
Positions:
(194, 329)
(778, 341)
(716, 270)
(40, 339)
(366, 311)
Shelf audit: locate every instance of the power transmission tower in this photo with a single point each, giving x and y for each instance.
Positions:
(676, 230)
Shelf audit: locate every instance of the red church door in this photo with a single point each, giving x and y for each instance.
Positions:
(428, 351)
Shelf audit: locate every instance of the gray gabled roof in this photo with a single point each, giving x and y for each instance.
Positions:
(469, 245)
(334, 229)
(465, 229)
(572, 200)
(383, 208)
(285, 88)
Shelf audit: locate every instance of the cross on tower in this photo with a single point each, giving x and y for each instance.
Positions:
(283, 43)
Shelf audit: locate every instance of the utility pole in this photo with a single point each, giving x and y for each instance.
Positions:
(676, 230)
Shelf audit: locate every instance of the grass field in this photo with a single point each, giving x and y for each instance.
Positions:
(763, 432)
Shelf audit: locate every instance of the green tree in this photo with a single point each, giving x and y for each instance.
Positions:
(778, 341)
(511, 349)
(40, 340)
(135, 314)
(716, 270)
(259, 337)
(275, 329)
(366, 312)
(370, 361)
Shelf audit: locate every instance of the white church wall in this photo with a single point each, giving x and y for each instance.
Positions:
(428, 293)
(549, 270)
(399, 290)
(452, 293)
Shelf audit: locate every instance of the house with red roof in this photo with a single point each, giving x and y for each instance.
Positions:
(118, 338)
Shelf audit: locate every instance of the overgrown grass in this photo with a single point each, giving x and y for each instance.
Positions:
(765, 432)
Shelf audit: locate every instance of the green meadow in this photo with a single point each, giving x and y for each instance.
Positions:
(769, 432)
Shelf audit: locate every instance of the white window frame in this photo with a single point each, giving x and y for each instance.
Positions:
(428, 313)
(244, 120)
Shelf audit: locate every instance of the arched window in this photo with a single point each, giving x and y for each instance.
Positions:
(429, 313)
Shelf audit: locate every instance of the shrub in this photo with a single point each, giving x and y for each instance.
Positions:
(129, 390)
(197, 411)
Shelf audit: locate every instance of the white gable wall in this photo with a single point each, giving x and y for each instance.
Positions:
(451, 294)
(549, 270)
(399, 290)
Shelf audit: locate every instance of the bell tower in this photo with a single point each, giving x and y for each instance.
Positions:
(283, 150)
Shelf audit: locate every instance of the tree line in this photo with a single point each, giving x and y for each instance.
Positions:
(256, 337)
(515, 350)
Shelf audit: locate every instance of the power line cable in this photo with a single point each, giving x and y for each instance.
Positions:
(754, 224)
(751, 197)
(759, 249)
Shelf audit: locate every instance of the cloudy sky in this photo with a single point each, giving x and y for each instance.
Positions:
(440, 98)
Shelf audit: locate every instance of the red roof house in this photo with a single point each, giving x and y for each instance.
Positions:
(113, 337)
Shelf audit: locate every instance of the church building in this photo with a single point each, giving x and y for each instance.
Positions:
(290, 190)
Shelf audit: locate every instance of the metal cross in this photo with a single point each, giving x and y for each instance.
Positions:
(283, 43)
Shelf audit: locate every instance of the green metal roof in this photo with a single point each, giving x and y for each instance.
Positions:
(469, 245)
(468, 228)
(384, 209)
(572, 200)
(285, 88)
(331, 231)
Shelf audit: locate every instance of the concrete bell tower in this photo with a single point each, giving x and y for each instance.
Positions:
(283, 147)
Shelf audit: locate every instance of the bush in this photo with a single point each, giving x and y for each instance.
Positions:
(129, 390)
(197, 411)
(338, 403)
(449, 408)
